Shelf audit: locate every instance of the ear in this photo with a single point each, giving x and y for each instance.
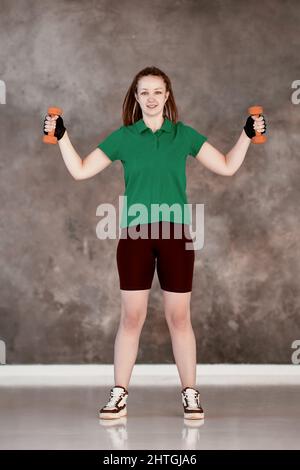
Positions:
(167, 95)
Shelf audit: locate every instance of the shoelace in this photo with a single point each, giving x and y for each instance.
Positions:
(192, 398)
(115, 395)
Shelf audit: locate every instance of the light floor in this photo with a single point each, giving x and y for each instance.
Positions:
(237, 417)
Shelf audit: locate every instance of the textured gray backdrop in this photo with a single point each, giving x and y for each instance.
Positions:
(59, 290)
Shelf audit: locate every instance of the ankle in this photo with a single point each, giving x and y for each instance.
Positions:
(188, 386)
(121, 385)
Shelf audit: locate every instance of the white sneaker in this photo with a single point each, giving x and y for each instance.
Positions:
(116, 406)
(191, 403)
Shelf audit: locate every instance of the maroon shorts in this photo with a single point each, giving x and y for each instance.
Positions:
(137, 258)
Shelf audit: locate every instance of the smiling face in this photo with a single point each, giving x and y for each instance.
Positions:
(151, 95)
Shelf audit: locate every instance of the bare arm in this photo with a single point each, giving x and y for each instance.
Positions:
(80, 169)
(221, 164)
(227, 164)
(235, 157)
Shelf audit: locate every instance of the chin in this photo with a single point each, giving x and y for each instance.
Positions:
(153, 112)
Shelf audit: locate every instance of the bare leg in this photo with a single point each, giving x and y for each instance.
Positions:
(133, 315)
(177, 311)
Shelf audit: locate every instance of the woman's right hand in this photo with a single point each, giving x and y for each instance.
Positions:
(56, 122)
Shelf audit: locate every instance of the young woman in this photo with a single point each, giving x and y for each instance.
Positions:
(153, 147)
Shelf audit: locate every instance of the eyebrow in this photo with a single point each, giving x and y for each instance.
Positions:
(159, 88)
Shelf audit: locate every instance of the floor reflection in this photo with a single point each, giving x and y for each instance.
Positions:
(117, 433)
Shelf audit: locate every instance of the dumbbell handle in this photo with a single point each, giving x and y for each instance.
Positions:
(259, 138)
(50, 138)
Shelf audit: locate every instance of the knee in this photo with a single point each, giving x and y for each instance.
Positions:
(179, 320)
(133, 320)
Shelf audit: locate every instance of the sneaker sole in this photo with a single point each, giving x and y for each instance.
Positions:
(194, 415)
(107, 415)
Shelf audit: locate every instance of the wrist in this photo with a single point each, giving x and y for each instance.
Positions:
(64, 137)
(244, 133)
(62, 133)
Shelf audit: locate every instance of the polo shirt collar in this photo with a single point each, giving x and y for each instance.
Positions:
(141, 126)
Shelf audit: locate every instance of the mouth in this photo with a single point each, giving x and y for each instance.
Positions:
(152, 106)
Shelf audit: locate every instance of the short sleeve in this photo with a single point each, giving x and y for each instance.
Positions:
(195, 140)
(112, 144)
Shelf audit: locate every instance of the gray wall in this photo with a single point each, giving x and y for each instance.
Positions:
(59, 289)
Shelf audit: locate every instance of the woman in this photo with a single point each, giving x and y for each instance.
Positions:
(153, 147)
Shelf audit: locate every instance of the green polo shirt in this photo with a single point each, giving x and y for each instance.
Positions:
(154, 170)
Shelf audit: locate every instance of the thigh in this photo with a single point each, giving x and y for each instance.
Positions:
(175, 263)
(136, 263)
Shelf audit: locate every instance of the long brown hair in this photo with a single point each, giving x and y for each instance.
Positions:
(131, 109)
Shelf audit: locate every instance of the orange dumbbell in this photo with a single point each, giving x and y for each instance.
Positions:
(50, 137)
(259, 138)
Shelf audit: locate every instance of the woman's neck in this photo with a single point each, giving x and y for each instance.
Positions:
(154, 123)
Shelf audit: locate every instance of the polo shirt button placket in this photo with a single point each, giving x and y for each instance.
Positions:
(156, 140)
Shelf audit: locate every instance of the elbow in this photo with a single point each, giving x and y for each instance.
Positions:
(229, 172)
(78, 176)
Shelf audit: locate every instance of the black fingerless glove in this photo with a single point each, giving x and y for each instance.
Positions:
(249, 129)
(59, 127)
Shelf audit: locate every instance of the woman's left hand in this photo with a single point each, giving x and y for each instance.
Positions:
(255, 124)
